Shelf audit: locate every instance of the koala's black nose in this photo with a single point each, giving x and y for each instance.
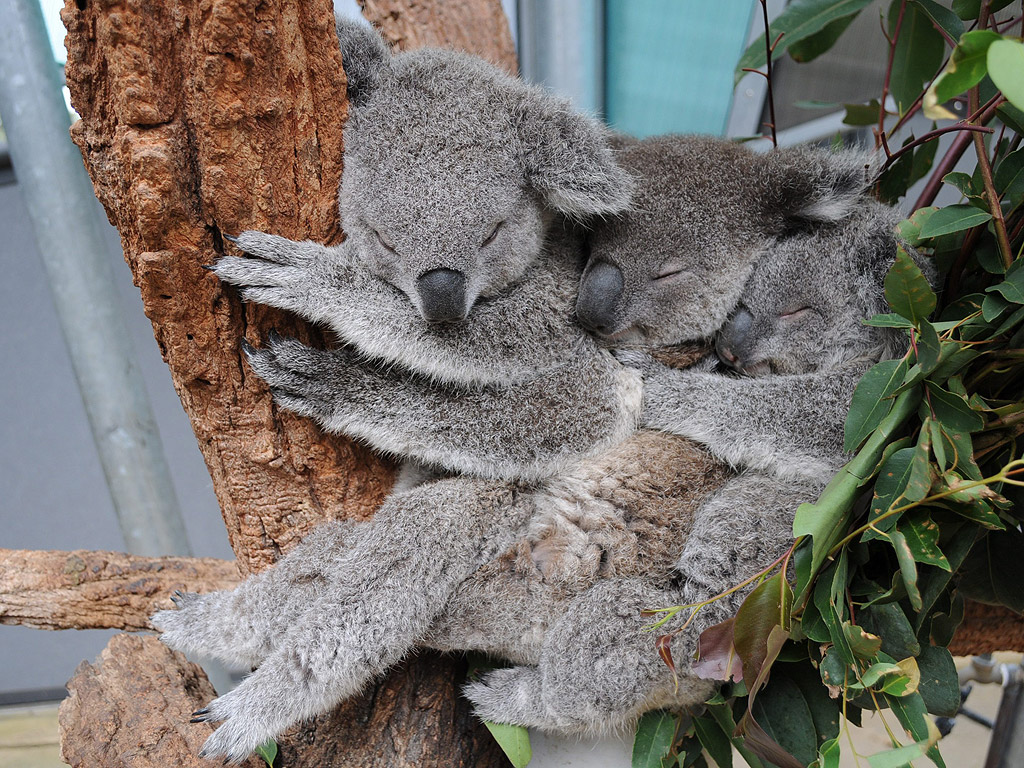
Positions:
(598, 300)
(732, 339)
(442, 295)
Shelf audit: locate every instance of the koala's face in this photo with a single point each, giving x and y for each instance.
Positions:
(661, 273)
(454, 169)
(803, 306)
(673, 267)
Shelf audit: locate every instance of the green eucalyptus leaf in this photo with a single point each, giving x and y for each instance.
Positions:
(1009, 177)
(896, 758)
(514, 741)
(714, 740)
(952, 410)
(1012, 288)
(939, 686)
(1011, 117)
(863, 114)
(813, 46)
(908, 568)
(785, 714)
(828, 754)
(863, 644)
(268, 751)
(953, 218)
(967, 66)
(994, 570)
(801, 19)
(962, 181)
(907, 289)
(913, 716)
(922, 536)
(872, 401)
(929, 348)
(910, 229)
(888, 621)
(945, 18)
(917, 56)
(1005, 65)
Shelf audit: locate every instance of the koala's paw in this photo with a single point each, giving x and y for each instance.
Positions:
(279, 272)
(204, 625)
(509, 696)
(302, 379)
(239, 733)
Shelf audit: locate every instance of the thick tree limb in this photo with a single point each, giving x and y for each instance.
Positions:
(208, 116)
(477, 27)
(132, 709)
(99, 590)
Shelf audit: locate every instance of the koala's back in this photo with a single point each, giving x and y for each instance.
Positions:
(624, 514)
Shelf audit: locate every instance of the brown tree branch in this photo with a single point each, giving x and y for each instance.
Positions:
(477, 27)
(99, 590)
(208, 116)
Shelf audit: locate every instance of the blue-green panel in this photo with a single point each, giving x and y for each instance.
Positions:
(669, 63)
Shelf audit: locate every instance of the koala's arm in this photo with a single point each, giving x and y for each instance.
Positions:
(520, 333)
(377, 600)
(736, 533)
(789, 425)
(525, 430)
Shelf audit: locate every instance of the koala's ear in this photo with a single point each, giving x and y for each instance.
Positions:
(816, 185)
(364, 55)
(567, 157)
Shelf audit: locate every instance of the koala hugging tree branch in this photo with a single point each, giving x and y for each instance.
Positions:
(208, 117)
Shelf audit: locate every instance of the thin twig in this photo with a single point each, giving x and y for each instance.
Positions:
(999, 223)
(888, 70)
(929, 136)
(769, 51)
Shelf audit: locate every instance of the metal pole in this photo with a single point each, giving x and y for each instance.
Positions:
(60, 202)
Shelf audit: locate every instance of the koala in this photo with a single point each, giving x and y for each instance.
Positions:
(460, 353)
(704, 210)
(453, 170)
(794, 347)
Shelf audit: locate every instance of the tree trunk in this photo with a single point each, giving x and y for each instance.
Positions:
(203, 117)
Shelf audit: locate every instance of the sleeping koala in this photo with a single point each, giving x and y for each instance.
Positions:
(558, 511)
(797, 348)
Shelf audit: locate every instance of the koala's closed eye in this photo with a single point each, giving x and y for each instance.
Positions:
(494, 234)
(384, 243)
(796, 312)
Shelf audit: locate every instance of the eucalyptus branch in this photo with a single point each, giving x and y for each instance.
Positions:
(925, 138)
(769, 52)
(999, 224)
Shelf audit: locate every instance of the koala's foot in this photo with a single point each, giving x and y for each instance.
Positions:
(244, 726)
(207, 625)
(516, 696)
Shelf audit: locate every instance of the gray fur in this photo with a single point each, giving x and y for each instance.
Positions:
(559, 507)
(452, 164)
(704, 211)
(799, 347)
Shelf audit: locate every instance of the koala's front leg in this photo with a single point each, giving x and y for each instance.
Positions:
(745, 526)
(599, 669)
(525, 430)
(791, 425)
(242, 626)
(387, 591)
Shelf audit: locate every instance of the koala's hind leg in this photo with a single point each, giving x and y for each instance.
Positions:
(242, 626)
(739, 531)
(599, 669)
(386, 593)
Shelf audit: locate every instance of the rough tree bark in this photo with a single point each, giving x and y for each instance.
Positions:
(208, 116)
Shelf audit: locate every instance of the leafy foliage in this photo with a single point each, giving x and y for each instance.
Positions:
(925, 513)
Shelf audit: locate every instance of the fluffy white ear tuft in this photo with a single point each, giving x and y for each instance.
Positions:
(817, 185)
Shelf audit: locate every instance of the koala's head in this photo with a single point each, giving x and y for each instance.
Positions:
(453, 168)
(802, 308)
(672, 267)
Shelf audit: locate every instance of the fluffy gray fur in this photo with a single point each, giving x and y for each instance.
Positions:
(560, 511)
(797, 347)
(704, 211)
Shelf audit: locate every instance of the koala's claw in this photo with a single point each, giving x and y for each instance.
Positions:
(200, 715)
(229, 238)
